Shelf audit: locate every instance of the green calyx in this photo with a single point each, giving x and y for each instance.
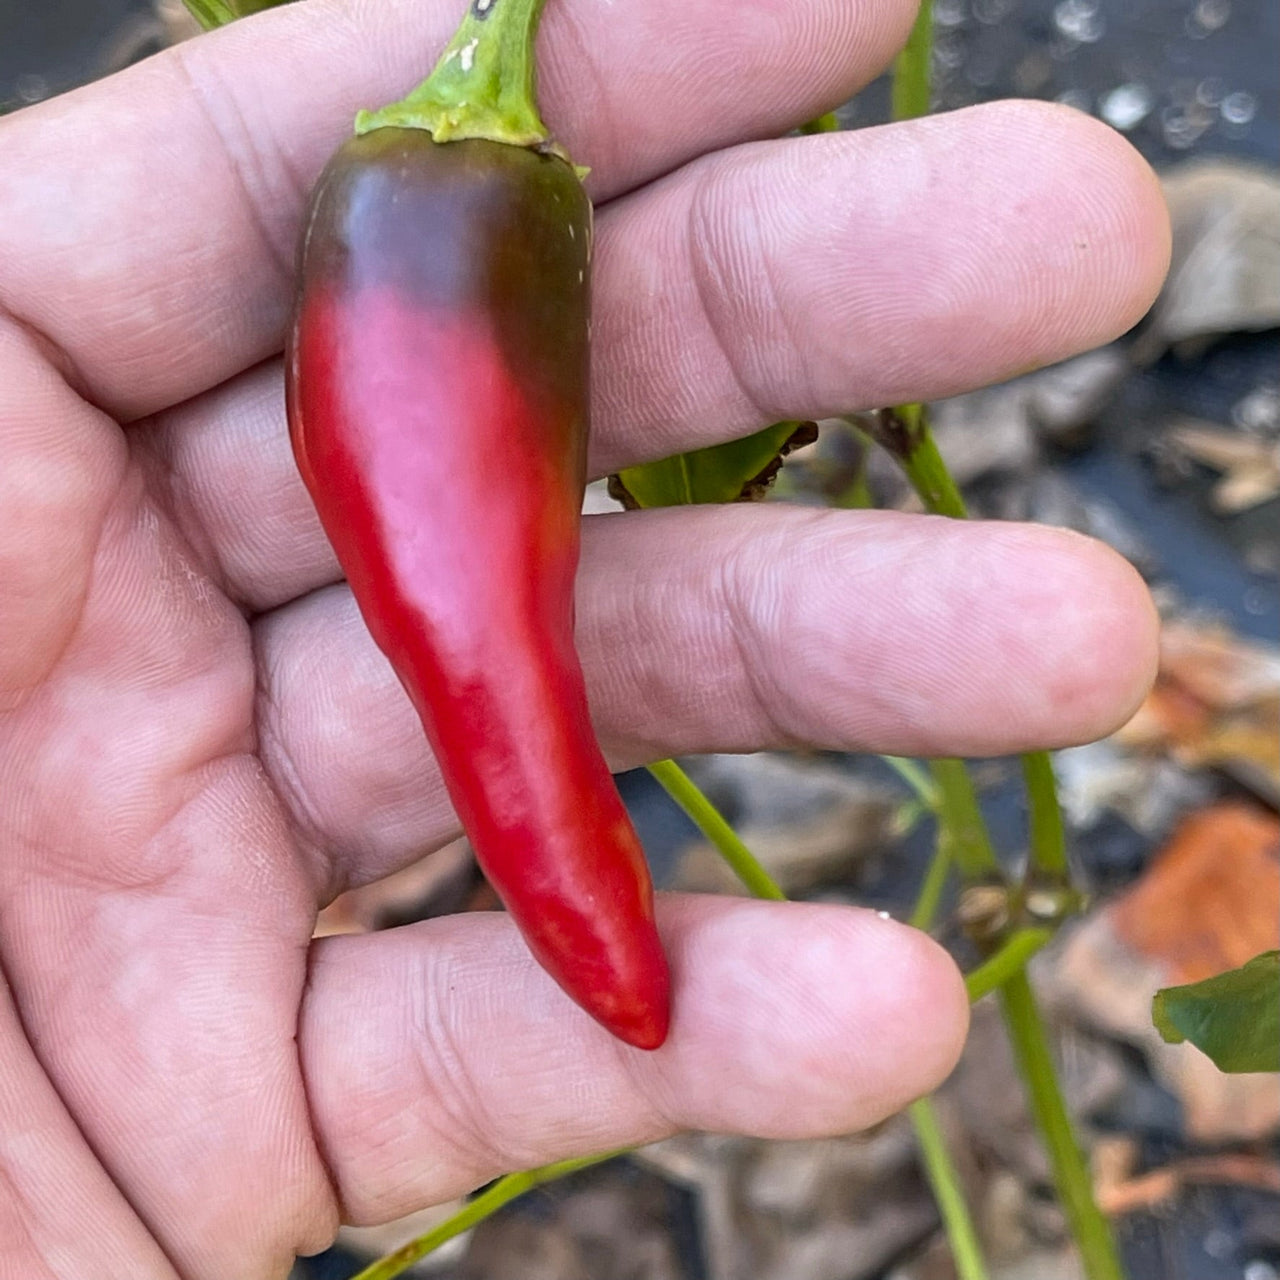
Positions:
(482, 87)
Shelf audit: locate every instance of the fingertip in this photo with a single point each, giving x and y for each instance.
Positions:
(1121, 220)
(915, 981)
(826, 1018)
(1128, 194)
(1098, 635)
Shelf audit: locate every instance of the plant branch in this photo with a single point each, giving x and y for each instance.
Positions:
(911, 71)
(1010, 959)
(1089, 1228)
(962, 828)
(945, 1184)
(1047, 866)
(826, 123)
(922, 786)
(475, 1211)
(931, 889)
(708, 819)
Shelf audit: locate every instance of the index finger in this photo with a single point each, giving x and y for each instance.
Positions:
(147, 223)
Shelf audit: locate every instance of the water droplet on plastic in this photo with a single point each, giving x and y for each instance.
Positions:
(1079, 20)
(949, 51)
(949, 13)
(1183, 127)
(1210, 92)
(31, 87)
(991, 12)
(1239, 107)
(1260, 1270)
(1218, 1243)
(1259, 411)
(1207, 17)
(1078, 98)
(1127, 106)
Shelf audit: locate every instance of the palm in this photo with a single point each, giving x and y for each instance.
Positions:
(153, 885)
(204, 745)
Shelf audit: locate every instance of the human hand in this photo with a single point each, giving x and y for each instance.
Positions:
(199, 745)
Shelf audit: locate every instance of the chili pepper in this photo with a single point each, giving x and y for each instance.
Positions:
(438, 411)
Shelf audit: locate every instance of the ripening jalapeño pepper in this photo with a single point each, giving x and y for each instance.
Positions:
(437, 385)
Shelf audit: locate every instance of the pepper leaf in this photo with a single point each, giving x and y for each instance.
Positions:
(217, 13)
(1234, 1017)
(736, 471)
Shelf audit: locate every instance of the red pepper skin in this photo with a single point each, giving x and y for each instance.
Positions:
(437, 388)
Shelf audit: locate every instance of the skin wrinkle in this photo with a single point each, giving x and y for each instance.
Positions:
(63, 485)
(739, 593)
(220, 116)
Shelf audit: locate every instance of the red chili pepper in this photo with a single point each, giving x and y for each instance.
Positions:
(438, 410)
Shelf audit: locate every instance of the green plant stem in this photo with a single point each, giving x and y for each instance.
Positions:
(1047, 861)
(911, 71)
(217, 13)
(940, 1170)
(825, 123)
(487, 1203)
(483, 85)
(962, 828)
(1009, 959)
(931, 889)
(945, 1183)
(905, 433)
(708, 819)
(1090, 1229)
(922, 786)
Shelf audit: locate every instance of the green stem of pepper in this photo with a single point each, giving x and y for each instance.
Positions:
(904, 432)
(708, 819)
(211, 14)
(1010, 959)
(1089, 1227)
(944, 1181)
(475, 1211)
(482, 87)
(825, 123)
(911, 71)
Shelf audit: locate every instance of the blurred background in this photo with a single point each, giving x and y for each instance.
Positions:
(1167, 446)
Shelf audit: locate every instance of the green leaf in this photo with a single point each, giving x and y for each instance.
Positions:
(217, 13)
(1234, 1018)
(736, 471)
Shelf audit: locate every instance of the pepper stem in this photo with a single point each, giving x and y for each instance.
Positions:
(482, 87)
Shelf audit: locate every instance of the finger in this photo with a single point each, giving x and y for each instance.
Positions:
(852, 270)
(216, 142)
(438, 1056)
(736, 629)
(751, 287)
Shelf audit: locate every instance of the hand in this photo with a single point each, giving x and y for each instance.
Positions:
(199, 745)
